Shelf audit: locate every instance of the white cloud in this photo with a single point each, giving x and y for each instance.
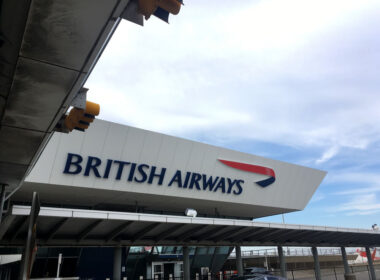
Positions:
(317, 197)
(361, 190)
(365, 204)
(296, 72)
(327, 155)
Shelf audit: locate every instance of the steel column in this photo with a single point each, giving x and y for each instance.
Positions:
(117, 263)
(370, 263)
(345, 262)
(316, 263)
(239, 261)
(282, 261)
(27, 258)
(186, 263)
(2, 201)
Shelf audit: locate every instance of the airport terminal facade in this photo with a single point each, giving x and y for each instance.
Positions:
(113, 202)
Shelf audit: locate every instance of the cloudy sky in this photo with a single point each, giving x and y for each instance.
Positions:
(294, 80)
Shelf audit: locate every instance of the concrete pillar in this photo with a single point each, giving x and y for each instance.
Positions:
(117, 263)
(282, 261)
(370, 263)
(316, 263)
(186, 263)
(239, 261)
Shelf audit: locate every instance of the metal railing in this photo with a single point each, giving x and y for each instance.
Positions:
(289, 252)
(327, 273)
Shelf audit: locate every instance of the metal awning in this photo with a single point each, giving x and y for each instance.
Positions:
(80, 227)
(48, 49)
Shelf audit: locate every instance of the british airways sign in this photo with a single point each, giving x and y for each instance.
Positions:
(150, 174)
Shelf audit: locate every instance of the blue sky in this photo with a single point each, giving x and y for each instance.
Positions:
(294, 80)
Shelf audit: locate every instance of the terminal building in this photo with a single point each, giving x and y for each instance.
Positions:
(115, 201)
(119, 201)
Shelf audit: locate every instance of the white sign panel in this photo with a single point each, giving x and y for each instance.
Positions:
(122, 165)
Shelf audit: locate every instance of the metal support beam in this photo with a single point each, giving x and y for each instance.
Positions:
(370, 263)
(168, 232)
(2, 201)
(210, 233)
(317, 268)
(236, 237)
(345, 261)
(30, 244)
(143, 232)
(311, 236)
(113, 234)
(239, 261)
(228, 234)
(127, 249)
(6, 223)
(55, 229)
(19, 226)
(195, 256)
(186, 263)
(87, 230)
(257, 233)
(117, 263)
(291, 236)
(254, 233)
(283, 235)
(188, 233)
(263, 237)
(212, 262)
(282, 261)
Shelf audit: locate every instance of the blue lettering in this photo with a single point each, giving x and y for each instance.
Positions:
(70, 162)
(230, 184)
(209, 183)
(120, 169)
(159, 175)
(221, 185)
(142, 172)
(132, 172)
(186, 180)
(92, 164)
(240, 188)
(195, 178)
(108, 169)
(176, 178)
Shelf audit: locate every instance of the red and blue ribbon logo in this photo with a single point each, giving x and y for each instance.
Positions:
(253, 169)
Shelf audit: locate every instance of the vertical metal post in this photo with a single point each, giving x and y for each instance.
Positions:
(30, 244)
(345, 261)
(239, 261)
(370, 263)
(2, 201)
(186, 263)
(282, 261)
(117, 263)
(127, 249)
(316, 263)
(59, 265)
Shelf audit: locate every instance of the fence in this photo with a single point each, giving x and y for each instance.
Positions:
(289, 252)
(331, 273)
